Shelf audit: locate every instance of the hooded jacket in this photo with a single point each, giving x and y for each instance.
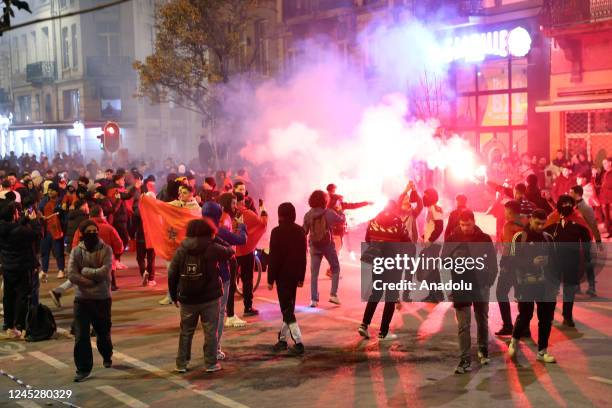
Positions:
(213, 211)
(18, 241)
(287, 262)
(91, 271)
(483, 271)
(211, 254)
(108, 234)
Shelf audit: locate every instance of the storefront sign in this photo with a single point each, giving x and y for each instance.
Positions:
(477, 46)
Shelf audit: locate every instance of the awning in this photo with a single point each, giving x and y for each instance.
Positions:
(47, 125)
(574, 105)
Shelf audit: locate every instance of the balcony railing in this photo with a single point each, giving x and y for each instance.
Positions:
(563, 13)
(109, 66)
(42, 71)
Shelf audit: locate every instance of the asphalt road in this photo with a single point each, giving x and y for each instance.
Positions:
(339, 368)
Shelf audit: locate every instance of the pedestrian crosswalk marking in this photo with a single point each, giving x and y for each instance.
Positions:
(601, 380)
(48, 359)
(122, 397)
(28, 404)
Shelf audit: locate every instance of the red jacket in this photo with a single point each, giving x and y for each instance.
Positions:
(605, 194)
(107, 234)
(256, 226)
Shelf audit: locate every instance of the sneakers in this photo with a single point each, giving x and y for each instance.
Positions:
(213, 368)
(363, 331)
(591, 293)
(107, 363)
(42, 276)
(234, 321)
(180, 370)
(297, 349)
(152, 283)
(313, 303)
(545, 357)
(220, 355)
(145, 278)
(80, 377)
(281, 345)
(12, 334)
(61, 275)
(387, 337)
(250, 312)
(569, 323)
(512, 348)
(463, 367)
(505, 331)
(56, 298)
(165, 301)
(121, 265)
(483, 357)
(334, 300)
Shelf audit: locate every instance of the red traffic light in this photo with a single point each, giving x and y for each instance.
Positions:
(112, 137)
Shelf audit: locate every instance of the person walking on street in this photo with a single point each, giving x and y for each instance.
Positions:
(89, 269)
(287, 268)
(195, 287)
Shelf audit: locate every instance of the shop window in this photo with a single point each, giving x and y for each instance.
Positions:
(601, 122)
(519, 108)
(519, 73)
(577, 122)
(493, 76)
(493, 109)
(466, 110)
(465, 79)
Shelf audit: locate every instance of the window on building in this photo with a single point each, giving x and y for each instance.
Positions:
(263, 46)
(45, 45)
(492, 101)
(108, 39)
(33, 47)
(110, 102)
(24, 54)
(75, 57)
(48, 108)
(24, 104)
(65, 49)
(15, 56)
(71, 99)
(63, 3)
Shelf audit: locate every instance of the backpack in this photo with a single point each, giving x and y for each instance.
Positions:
(193, 278)
(40, 323)
(320, 236)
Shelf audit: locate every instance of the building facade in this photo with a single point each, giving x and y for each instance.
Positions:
(580, 103)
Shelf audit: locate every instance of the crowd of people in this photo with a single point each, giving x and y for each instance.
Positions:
(62, 206)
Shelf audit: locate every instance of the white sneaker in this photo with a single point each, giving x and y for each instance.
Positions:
(234, 321)
(152, 283)
(180, 370)
(363, 332)
(145, 278)
(121, 265)
(483, 357)
(512, 348)
(314, 303)
(390, 336)
(334, 300)
(213, 368)
(42, 276)
(545, 357)
(61, 275)
(165, 301)
(13, 334)
(220, 355)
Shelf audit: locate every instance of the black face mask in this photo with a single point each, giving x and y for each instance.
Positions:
(566, 210)
(90, 240)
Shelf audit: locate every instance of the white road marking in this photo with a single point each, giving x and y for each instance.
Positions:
(178, 381)
(122, 397)
(601, 380)
(28, 404)
(48, 359)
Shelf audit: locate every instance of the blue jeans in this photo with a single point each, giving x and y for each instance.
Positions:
(316, 256)
(226, 286)
(48, 245)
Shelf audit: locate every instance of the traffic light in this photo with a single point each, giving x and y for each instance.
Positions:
(111, 138)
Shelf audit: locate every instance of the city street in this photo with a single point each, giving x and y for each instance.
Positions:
(338, 369)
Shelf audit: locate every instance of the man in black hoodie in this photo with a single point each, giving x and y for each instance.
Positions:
(287, 268)
(195, 286)
(18, 238)
(468, 242)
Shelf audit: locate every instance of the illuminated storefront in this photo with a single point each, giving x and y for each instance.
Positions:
(498, 73)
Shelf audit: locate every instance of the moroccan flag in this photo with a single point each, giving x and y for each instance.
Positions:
(164, 225)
